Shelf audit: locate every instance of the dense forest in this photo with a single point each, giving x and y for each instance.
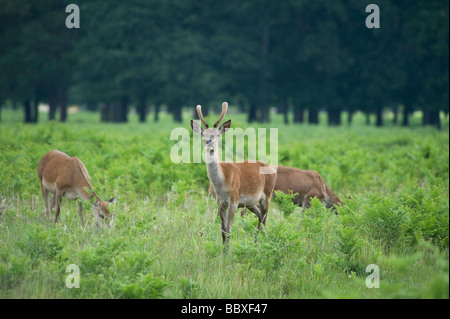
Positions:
(299, 56)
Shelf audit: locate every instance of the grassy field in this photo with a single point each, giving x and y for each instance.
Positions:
(165, 240)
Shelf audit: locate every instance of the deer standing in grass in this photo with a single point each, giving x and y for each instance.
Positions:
(234, 185)
(307, 184)
(67, 176)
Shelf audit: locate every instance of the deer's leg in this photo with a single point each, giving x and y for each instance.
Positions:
(229, 223)
(57, 198)
(257, 211)
(223, 213)
(265, 210)
(80, 212)
(306, 203)
(45, 195)
(52, 202)
(244, 212)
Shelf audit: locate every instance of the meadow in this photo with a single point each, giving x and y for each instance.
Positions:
(165, 240)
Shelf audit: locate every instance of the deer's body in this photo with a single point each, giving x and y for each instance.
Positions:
(234, 185)
(308, 184)
(65, 176)
(242, 185)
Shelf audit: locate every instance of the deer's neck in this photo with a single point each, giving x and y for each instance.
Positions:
(213, 169)
(87, 195)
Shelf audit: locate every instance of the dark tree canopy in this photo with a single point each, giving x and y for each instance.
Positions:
(296, 55)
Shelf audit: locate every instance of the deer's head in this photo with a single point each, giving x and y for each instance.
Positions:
(211, 136)
(101, 208)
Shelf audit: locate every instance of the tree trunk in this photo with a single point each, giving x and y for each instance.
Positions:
(265, 115)
(27, 111)
(313, 116)
(63, 104)
(395, 111)
(124, 109)
(35, 111)
(350, 117)
(405, 121)
(121, 110)
(367, 118)
(142, 109)
(299, 114)
(157, 108)
(431, 118)
(116, 112)
(252, 113)
(425, 117)
(242, 107)
(177, 115)
(175, 109)
(52, 104)
(334, 117)
(283, 108)
(435, 118)
(379, 113)
(104, 112)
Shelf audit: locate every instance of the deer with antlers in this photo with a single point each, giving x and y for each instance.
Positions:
(67, 176)
(234, 185)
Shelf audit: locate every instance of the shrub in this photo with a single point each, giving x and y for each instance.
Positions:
(284, 202)
(146, 287)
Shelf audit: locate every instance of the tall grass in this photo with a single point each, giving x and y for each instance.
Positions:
(165, 241)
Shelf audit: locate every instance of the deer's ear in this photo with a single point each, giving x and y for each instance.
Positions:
(197, 128)
(112, 200)
(225, 126)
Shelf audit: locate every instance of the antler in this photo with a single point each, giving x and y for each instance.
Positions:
(200, 115)
(224, 111)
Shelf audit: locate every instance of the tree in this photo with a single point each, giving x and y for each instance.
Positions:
(37, 56)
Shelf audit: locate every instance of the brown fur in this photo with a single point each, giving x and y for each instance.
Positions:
(243, 180)
(63, 175)
(308, 184)
(234, 185)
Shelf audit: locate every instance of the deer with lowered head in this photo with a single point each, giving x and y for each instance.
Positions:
(67, 176)
(307, 184)
(233, 185)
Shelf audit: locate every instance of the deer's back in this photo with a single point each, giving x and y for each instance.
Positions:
(297, 180)
(247, 177)
(58, 167)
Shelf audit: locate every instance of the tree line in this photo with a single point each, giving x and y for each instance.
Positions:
(300, 56)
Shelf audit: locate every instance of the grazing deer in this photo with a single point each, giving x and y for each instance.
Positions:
(234, 185)
(307, 184)
(63, 175)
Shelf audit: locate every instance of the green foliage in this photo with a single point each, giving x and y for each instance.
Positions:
(165, 241)
(40, 243)
(179, 190)
(387, 220)
(188, 288)
(284, 202)
(349, 245)
(146, 287)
